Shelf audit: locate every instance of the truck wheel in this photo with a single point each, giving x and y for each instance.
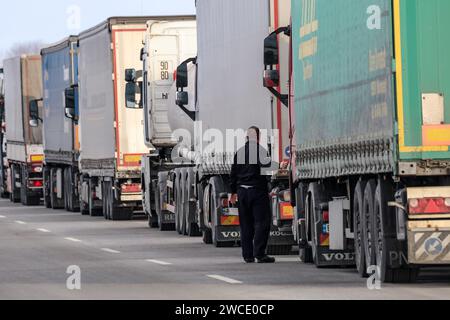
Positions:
(358, 202)
(15, 192)
(47, 200)
(317, 195)
(384, 240)
(55, 202)
(25, 198)
(280, 250)
(153, 222)
(117, 213)
(367, 219)
(93, 212)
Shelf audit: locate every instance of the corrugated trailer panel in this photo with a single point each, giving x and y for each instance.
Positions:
(344, 108)
(423, 67)
(59, 73)
(232, 32)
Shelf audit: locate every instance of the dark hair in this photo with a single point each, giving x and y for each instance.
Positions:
(258, 133)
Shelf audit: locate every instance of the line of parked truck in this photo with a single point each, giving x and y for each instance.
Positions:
(144, 114)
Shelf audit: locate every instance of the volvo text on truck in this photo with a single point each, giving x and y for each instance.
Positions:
(370, 133)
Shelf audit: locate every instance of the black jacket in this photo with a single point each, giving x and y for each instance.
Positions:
(247, 165)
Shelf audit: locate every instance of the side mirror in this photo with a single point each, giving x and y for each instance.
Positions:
(34, 110)
(182, 98)
(130, 75)
(34, 123)
(131, 90)
(142, 54)
(182, 76)
(70, 101)
(271, 50)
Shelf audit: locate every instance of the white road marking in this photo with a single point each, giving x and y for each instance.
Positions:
(224, 279)
(72, 239)
(163, 263)
(2, 217)
(110, 250)
(43, 230)
(20, 222)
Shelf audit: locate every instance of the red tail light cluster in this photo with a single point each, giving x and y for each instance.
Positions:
(429, 206)
(131, 188)
(36, 184)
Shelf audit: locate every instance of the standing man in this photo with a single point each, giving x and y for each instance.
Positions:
(251, 188)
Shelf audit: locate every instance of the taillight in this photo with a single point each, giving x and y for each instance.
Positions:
(36, 184)
(326, 216)
(429, 206)
(131, 188)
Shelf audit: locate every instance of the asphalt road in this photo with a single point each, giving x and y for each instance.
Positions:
(127, 260)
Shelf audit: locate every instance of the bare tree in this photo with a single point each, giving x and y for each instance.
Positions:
(32, 47)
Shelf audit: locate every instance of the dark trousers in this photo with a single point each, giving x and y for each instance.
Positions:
(255, 219)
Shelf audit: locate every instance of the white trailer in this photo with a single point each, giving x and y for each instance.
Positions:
(23, 85)
(111, 140)
(167, 44)
(225, 96)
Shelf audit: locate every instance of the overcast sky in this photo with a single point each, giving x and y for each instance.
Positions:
(52, 20)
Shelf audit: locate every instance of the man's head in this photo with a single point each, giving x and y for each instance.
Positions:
(253, 134)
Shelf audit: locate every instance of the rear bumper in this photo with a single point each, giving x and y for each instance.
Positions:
(429, 242)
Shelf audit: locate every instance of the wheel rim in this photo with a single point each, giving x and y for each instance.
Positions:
(379, 235)
(367, 233)
(358, 237)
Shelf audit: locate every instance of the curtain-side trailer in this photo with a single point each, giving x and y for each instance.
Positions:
(228, 100)
(60, 125)
(370, 134)
(23, 84)
(111, 140)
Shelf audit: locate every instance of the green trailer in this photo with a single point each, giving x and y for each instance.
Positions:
(370, 130)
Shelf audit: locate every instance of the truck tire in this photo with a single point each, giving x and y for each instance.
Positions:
(55, 202)
(93, 212)
(192, 228)
(25, 198)
(14, 197)
(115, 212)
(46, 191)
(206, 204)
(358, 205)
(317, 195)
(306, 255)
(384, 231)
(153, 220)
(177, 200)
(69, 191)
(367, 221)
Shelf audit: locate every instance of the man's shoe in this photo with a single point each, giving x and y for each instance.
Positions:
(250, 260)
(266, 259)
